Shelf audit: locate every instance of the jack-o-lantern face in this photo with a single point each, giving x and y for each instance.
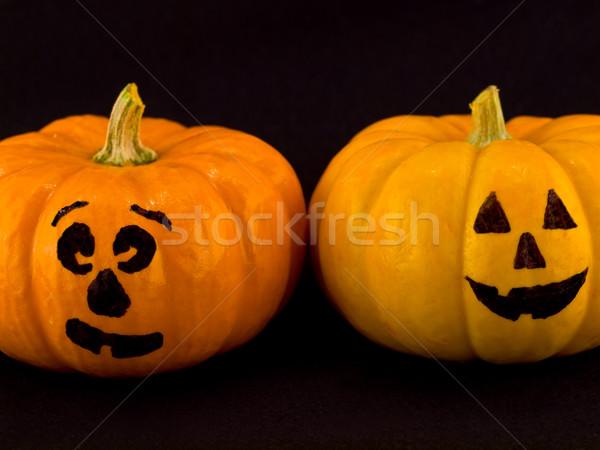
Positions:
(105, 294)
(124, 291)
(108, 286)
(541, 301)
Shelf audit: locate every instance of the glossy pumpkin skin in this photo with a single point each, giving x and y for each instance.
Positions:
(203, 299)
(415, 297)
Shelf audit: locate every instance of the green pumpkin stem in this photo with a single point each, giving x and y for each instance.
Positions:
(123, 145)
(488, 120)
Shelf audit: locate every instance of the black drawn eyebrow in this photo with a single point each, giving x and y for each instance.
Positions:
(157, 216)
(66, 210)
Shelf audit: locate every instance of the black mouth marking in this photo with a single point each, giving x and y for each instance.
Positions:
(539, 301)
(122, 346)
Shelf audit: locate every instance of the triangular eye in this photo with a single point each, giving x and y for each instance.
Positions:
(557, 217)
(491, 217)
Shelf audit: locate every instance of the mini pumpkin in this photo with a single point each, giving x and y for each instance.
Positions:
(132, 259)
(460, 237)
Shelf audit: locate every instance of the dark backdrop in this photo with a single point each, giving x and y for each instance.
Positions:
(304, 76)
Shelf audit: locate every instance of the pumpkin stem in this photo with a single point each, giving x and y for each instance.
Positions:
(488, 120)
(123, 145)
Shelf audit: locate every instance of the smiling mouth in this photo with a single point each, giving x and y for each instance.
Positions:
(122, 346)
(540, 301)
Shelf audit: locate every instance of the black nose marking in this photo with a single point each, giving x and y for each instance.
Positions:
(106, 296)
(528, 254)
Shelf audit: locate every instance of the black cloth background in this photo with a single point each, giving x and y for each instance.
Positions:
(304, 76)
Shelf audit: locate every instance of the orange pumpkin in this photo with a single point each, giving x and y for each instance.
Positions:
(458, 237)
(141, 258)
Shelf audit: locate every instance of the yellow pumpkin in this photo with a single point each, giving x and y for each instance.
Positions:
(141, 258)
(462, 237)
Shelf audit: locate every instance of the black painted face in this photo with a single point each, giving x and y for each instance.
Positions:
(540, 301)
(105, 295)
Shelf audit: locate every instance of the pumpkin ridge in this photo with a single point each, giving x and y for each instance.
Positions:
(375, 186)
(64, 147)
(520, 127)
(54, 350)
(391, 135)
(377, 145)
(352, 147)
(562, 124)
(379, 141)
(183, 351)
(240, 149)
(284, 179)
(382, 180)
(423, 135)
(76, 128)
(590, 280)
(32, 296)
(390, 180)
(166, 128)
(170, 148)
(248, 254)
(226, 196)
(212, 137)
(46, 156)
(286, 185)
(5, 176)
(580, 134)
(169, 141)
(47, 142)
(44, 149)
(465, 290)
(452, 119)
(142, 193)
(424, 126)
(261, 165)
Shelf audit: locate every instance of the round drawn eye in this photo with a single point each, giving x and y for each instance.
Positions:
(76, 239)
(142, 241)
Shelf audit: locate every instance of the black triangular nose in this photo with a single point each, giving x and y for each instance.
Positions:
(106, 296)
(528, 254)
